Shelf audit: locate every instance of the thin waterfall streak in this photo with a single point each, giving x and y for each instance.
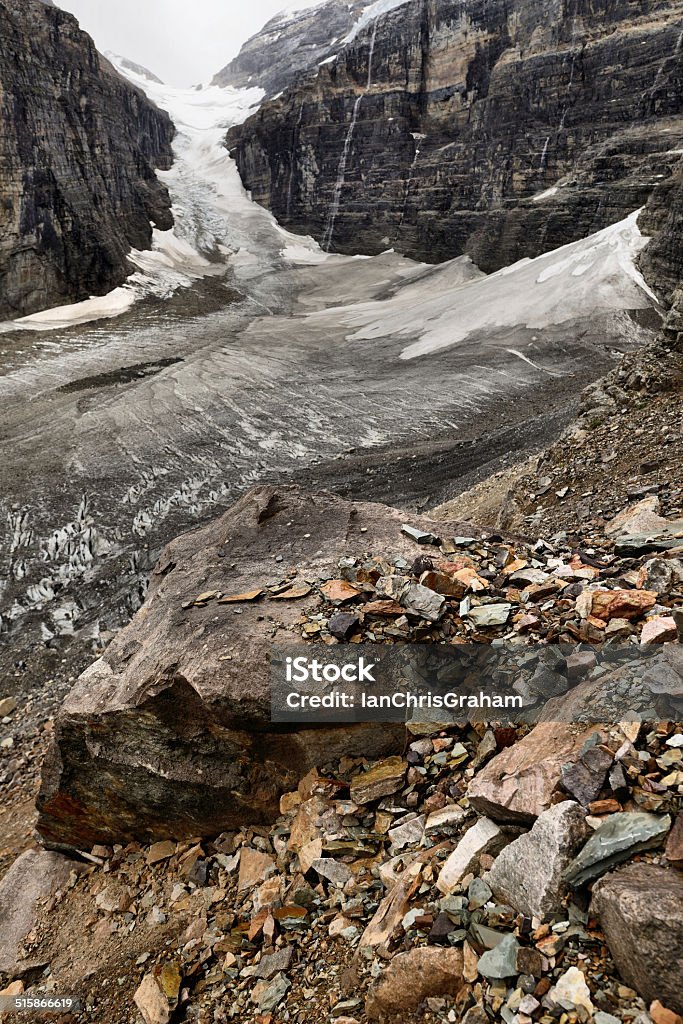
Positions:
(544, 154)
(343, 159)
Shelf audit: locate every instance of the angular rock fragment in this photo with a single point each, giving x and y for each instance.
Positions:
(619, 836)
(419, 536)
(483, 837)
(255, 867)
(421, 601)
(157, 996)
(411, 978)
(585, 777)
(572, 988)
(36, 875)
(501, 961)
(521, 782)
(659, 630)
(342, 625)
(488, 615)
(528, 874)
(382, 779)
(645, 901)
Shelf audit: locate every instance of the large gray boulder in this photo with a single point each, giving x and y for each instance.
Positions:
(170, 733)
(640, 908)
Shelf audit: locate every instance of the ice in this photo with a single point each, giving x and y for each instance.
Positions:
(375, 10)
(583, 279)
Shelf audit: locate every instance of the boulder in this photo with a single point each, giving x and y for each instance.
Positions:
(646, 901)
(527, 874)
(523, 780)
(614, 841)
(169, 734)
(35, 876)
(411, 978)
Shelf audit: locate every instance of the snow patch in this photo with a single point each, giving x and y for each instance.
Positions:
(585, 278)
(375, 10)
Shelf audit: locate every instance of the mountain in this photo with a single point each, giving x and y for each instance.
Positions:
(130, 65)
(291, 44)
(496, 129)
(77, 163)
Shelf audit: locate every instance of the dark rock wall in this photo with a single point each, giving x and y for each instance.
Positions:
(78, 152)
(474, 108)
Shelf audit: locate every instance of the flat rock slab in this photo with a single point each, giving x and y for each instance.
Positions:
(35, 876)
(169, 734)
(645, 901)
(524, 780)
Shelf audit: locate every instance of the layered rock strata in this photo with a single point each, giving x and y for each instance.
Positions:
(77, 163)
(491, 129)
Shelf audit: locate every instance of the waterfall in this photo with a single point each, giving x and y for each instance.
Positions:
(343, 159)
(292, 162)
(544, 154)
(411, 174)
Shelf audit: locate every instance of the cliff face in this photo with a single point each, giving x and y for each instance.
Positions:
(78, 153)
(288, 46)
(446, 126)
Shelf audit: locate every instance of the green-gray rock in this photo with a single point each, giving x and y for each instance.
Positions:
(615, 841)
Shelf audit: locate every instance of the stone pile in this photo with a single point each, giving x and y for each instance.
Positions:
(394, 890)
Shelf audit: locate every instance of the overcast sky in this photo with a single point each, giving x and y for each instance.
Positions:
(184, 42)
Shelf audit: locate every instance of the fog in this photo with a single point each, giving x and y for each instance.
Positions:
(182, 42)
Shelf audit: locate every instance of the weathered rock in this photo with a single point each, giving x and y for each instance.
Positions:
(616, 604)
(78, 163)
(487, 615)
(425, 603)
(662, 1015)
(164, 736)
(380, 780)
(659, 630)
(613, 842)
(483, 837)
(501, 961)
(645, 901)
(411, 978)
(528, 874)
(35, 876)
(674, 844)
(585, 777)
(521, 782)
(7, 706)
(255, 867)
(572, 988)
(157, 996)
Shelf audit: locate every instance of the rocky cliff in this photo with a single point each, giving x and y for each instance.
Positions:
(77, 163)
(290, 45)
(496, 129)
